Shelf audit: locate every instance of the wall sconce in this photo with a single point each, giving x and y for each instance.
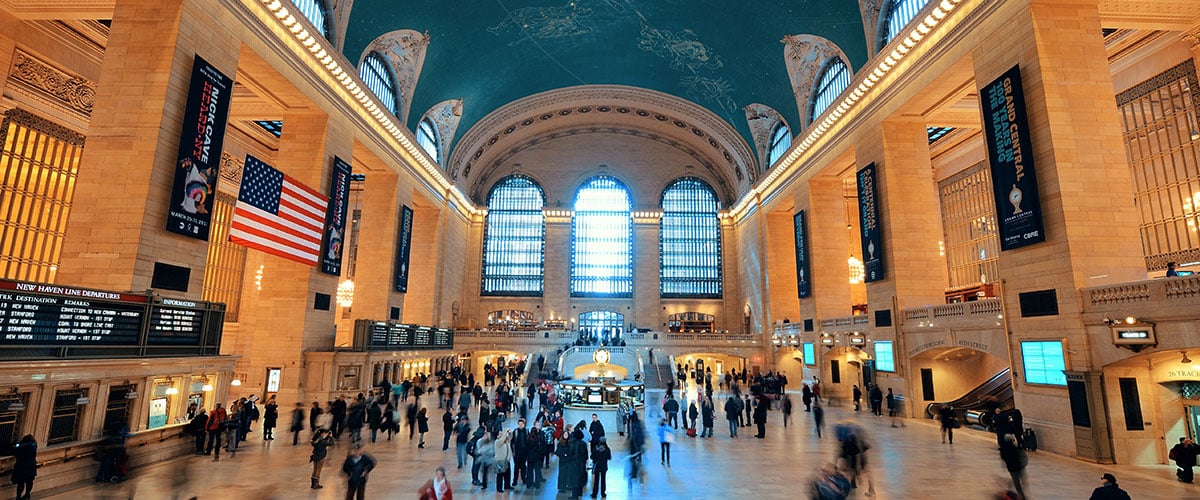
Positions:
(132, 393)
(207, 387)
(827, 340)
(18, 405)
(1186, 360)
(345, 293)
(237, 382)
(1131, 333)
(83, 399)
(1129, 320)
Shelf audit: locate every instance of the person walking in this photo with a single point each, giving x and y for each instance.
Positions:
(374, 418)
(437, 488)
(462, 436)
(447, 428)
(1184, 454)
(692, 415)
(270, 419)
(806, 396)
(818, 417)
(706, 417)
(502, 456)
(422, 425)
(671, 407)
(748, 407)
(601, 454)
(857, 398)
(948, 421)
(321, 442)
(1015, 461)
(1108, 489)
(666, 436)
(357, 466)
(297, 422)
(314, 415)
(787, 410)
(24, 468)
(485, 458)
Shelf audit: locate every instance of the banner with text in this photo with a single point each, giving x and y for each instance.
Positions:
(868, 220)
(335, 219)
(199, 154)
(1010, 152)
(803, 286)
(403, 243)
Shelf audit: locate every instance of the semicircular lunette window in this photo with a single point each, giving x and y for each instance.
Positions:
(898, 13)
(514, 239)
(427, 139)
(781, 140)
(602, 240)
(833, 81)
(375, 73)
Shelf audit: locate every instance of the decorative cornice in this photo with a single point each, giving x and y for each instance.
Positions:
(27, 119)
(762, 120)
(231, 168)
(659, 111)
(869, 9)
(76, 92)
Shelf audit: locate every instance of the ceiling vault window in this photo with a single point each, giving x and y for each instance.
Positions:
(316, 13)
(781, 140)
(689, 241)
(602, 240)
(834, 79)
(514, 238)
(428, 139)
(896, 15)
(375, 72)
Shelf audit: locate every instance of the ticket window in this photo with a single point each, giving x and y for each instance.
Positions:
(116, 409)
(12, 419)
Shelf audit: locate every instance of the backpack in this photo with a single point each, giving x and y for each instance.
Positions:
(472, 446)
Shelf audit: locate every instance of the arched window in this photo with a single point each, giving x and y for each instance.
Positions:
(602, 240)
(375, 73)
(314, 11)
(690, 241)
(514, 238)
(427, 138)
(896, 14)
(834, 79)
(602, 324)
(781, 140)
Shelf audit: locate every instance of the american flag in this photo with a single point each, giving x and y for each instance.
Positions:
(277, 214)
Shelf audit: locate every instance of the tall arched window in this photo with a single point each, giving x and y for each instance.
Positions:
(895, 15)
(781, 140)
(375, 73)
(314, 11)
(427, 138)
(690, 241)
(514, 238)
(835, 77)
(602, 240)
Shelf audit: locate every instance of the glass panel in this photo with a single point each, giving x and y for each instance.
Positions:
(690, 241)
(427, 139)
(314, 11)
(375, 74)
(226, 261)
(602, 240)
(1044, 362)
(899, 13)
(64, 417)
(781, 140)
(514, 238)
(833, 81)
(885, 360)
(971, 242)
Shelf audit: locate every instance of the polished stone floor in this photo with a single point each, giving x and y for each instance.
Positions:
(907, 463)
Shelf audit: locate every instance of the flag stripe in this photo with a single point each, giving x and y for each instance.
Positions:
(278, 215)
(257, 222)
(270, 248)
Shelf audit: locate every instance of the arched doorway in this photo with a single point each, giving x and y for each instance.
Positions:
(607, 327)
(1152, 400)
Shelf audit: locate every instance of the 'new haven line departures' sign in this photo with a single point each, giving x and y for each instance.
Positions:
(1010, 152)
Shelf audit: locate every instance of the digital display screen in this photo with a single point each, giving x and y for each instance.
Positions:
(38, 314)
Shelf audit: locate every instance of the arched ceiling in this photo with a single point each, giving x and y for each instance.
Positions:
(719, 54)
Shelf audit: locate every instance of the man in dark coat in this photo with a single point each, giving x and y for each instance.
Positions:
(857, 393)
(748, 406)
(761, 405)
(876, 401)
(601, 454)
(595, 429)
(733, 412)
(1014, 460)
(447, 428)
(806, 396)
(1108, 489)
(313, 414)
(196, 428)
(356, 467)
(579, 452)
(339, 417)
(1184, 454)
(520, 453)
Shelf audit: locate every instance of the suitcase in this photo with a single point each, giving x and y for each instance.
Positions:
(691, 432)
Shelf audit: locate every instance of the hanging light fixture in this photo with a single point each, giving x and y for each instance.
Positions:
(207, 387)
(858, 272)
(345, 293)
(237, 382)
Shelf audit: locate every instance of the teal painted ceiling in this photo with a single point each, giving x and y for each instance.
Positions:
(720, 54)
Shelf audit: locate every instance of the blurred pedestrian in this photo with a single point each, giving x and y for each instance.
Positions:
(1108, 489)
(357, 466)
(436, 488)
(321, 442)
(1015, 461)
(25, 466)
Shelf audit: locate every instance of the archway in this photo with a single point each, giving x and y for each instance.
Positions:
(475, 361)
(968, 378)
(1152, 400)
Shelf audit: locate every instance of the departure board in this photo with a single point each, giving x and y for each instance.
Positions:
(387, 336)
(44, 320)
(40, 314)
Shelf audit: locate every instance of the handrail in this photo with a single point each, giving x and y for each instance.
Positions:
(1148, 291)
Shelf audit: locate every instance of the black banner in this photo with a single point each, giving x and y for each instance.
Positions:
(803, 285)
(1014, 182)
(403, 242)
(868, 220)
(199, 154)
(334, 238)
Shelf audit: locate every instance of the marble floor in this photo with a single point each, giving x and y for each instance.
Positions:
(906, 463)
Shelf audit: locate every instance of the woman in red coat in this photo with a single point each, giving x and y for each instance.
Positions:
(437, 488)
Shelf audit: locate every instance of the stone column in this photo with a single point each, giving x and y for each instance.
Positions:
(647, 306)
(118, 228)
(556, 291)
(374, 266)
(828, 249)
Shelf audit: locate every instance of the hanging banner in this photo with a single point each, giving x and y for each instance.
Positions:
(868, 220)
(803, 286)
(199, 154)
(402, 248)
(1010, 152)
(335, 219)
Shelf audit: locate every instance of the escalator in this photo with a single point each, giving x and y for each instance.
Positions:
(976, 407)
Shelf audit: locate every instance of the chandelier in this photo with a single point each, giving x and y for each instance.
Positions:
(857, 271)
(345, 293)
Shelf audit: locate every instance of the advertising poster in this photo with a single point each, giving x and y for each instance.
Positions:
(158, 413)
(333, 239)
(403, 243)
(199, 155)
(872, 232)
(803, 285)
(1010, 153)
